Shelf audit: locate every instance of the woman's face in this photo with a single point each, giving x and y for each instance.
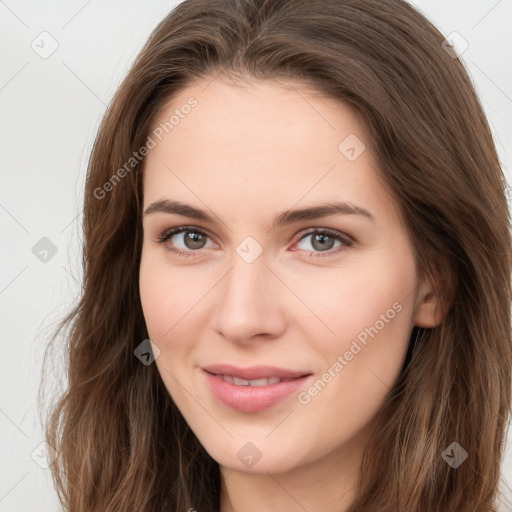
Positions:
(261, 172)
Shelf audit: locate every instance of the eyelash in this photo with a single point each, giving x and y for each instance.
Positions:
(345, 241)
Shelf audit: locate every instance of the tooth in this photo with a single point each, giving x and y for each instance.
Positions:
(259, 382)
(253, 382)
(264, 382)
(240, 382)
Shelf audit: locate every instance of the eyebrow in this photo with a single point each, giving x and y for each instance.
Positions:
(284, 218)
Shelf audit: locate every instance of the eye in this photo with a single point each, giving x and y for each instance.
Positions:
(323, 240)
(191, 239)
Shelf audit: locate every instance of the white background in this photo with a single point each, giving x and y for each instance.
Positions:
(50, 111)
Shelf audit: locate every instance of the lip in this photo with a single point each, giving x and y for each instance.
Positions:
(254, 372)
(253, 398)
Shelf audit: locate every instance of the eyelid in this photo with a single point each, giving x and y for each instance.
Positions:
(333, 232)
(168, 233)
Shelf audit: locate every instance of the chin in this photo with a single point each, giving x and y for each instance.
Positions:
(253, 458)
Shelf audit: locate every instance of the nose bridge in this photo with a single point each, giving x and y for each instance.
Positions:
(247, 285)
(247, 299)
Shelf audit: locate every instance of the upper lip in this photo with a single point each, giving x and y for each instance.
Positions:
(254, 372)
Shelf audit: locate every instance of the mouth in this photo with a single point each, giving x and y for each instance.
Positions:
(253, 374)
(265, 381)
(257, 389)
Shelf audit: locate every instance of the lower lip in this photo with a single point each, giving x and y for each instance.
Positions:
(252, 398)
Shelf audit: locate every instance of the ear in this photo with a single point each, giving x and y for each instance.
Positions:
(434, 298)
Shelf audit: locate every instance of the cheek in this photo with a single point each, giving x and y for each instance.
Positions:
(173, 301)
(363, 360)
(155, 301)
(369, 313)
(165, 303)
(166, 295)
(344, 302)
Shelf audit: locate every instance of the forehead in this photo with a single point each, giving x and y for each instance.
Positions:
(292, 111)
(262, 143)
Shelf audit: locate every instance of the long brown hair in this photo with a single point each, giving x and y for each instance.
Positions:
(121, 442)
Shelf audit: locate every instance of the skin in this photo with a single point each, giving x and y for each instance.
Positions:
(244, 154)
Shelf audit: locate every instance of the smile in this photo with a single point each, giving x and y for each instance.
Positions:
(252, 395)
(254, 382)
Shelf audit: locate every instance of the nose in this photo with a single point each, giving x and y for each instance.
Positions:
(249, 302)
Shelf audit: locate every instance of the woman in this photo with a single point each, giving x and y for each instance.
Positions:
(297, 272)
